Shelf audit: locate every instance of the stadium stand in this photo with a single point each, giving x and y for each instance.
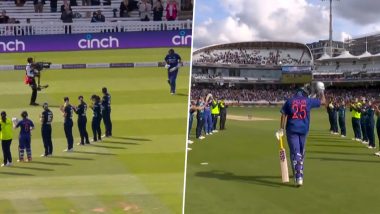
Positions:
(252, 56)
(266, 94)
(25, 21)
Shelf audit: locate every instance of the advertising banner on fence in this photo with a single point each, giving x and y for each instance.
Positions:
(95, 41)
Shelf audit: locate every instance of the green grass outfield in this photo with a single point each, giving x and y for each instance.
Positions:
(139, 170)
(243, 171)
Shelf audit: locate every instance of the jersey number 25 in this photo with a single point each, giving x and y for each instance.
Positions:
(299, 111)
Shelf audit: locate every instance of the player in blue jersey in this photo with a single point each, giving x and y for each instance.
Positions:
(296, 116)
(370, 124)
(200, 118)
(173, 61)
(80, 110)
(67, 110)
(106, 112)
(46, 119)
(96, 118)
(26, 126)
(207, 118)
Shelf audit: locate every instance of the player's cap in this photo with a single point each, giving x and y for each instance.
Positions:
(45, 105)
(3, 114)
(66, 99)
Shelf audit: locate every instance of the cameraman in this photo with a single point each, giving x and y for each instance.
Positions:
(31, 73)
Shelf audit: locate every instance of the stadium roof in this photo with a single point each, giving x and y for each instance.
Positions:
(345, 55)
(324, 57)
(364, 55)
(255, 44)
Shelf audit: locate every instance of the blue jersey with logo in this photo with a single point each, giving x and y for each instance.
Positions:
(68, 113)
(342, 111)
(106, 102)
(26, 126)
(298, 111)
(371, 115)
(172, 60)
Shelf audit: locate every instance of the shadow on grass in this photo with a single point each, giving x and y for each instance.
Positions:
(337, 153)
(328, 139)
(333, 145)
(51, 163)
(32, 168)
(16, 174)
(346, 160)
(259, 180)
(181, 94)
(71, 158)
(118, 142)
(132, 138)
(93, 153)
(108, 147)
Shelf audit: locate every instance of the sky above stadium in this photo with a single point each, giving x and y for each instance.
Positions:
(223, 21)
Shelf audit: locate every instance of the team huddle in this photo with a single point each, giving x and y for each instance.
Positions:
(101, 108)
(363, 113)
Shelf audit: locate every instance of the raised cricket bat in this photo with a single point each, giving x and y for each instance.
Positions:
(283, 161)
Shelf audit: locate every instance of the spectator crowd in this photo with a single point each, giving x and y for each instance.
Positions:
(249, 56)
(148, 10)
(278, 94)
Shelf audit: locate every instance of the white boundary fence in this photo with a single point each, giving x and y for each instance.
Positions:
(94, 65)
(74, 28)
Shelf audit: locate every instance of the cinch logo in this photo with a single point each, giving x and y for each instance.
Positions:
(10, 46)
(89, 42)
(181, 39)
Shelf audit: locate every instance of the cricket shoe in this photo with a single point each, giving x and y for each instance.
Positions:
(343, 136)
(68, 150)
(371, 147)
(189, 149)
(190, 142)
(207, 133)
(215, 131)
(20, 160)
(2, 165)
(9, 164)
(210, 133)
(377, 153)
(201, 137)
(80, 144)
(335, 133)
(29, 160)
(354, 139)
(44, 156)
(365, 142)
(299, 182)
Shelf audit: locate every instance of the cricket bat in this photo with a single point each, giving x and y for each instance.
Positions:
(283, 160)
